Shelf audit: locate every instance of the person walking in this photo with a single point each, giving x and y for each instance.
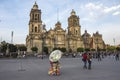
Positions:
(99, 56)
(117, 56)
(84, 59)
(89, 59)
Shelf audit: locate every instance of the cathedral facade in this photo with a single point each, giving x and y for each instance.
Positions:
(57, 37)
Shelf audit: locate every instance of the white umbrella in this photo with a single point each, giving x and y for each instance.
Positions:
(55, 55)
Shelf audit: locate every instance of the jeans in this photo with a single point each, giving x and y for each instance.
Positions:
(89, 64)
(85, 64)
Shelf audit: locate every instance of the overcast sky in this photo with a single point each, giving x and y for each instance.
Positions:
(95, 15)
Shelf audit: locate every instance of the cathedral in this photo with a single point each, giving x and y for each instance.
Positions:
(57, 37)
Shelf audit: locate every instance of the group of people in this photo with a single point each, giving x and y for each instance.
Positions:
(87, 58)
(55, 66)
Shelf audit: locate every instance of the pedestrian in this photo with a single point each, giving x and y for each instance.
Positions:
(54, 69)
(117, 56)
(89, 59)
(99, 56)
(84, 59)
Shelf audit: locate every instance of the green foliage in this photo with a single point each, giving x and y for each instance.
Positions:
(103, 49)
(63, 49)
(87, 49)
(34, 49)
(45, 49)
(3, 48)
(22, 48)
(118, 48)
(92, 49)
(80, 49)
(55, 49)
(12, 48)
(111, 48)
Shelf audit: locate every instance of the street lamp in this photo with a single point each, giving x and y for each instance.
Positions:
(42, 37)
(42, 45)
(114, 44)
(97, 44)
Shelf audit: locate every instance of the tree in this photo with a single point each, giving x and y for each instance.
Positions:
(34, 49)
(118, 48)
(45, 49)
(111, 48)
(3, 48)
(22, 48)
(87, 49)
(92, 49)
(103, 49)
(55, 49)
(12, 48)
(63, 49)
(80, 49)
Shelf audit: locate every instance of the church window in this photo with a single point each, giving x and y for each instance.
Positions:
(35, 29)
(32, 16)
(32, 28)
(35, 16)
(38, 28)
(38, 16)
(76, 32)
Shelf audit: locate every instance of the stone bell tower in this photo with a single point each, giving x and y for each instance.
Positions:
(34, 39)
(74, 33)
(73, 24)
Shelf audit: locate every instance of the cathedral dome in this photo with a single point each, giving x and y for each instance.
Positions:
(73, 12)
(35, 6)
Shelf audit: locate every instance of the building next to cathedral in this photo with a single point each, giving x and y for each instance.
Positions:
(93, 42)
(58, 37)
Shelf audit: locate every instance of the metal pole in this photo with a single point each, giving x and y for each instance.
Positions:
(114, 44)
(12, 37)
(42, 46)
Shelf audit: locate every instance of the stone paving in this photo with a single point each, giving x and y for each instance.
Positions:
(71, 69)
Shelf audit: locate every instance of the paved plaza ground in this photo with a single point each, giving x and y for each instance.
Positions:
(71, 69)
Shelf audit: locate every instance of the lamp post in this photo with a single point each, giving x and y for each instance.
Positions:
(97, 44)
(42, 46)
(114, 44)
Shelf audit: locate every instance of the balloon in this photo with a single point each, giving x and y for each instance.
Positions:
(55, 55)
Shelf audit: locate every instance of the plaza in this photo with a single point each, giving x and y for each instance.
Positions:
(71, 69)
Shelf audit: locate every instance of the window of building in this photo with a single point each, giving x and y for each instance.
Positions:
(38, 16)
(35, 16)
(32, 27)
(38, 28)
(76, 32)
(35, 29)
(32, 16)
